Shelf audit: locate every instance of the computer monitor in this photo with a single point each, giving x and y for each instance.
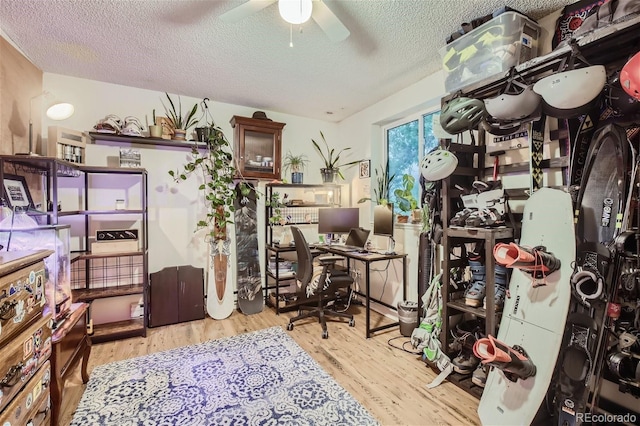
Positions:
(383, 220)
(338, 220)
(383, 224)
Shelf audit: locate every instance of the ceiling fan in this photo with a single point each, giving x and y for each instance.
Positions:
(294, 12)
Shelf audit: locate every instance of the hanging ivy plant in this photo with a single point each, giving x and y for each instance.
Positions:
(215, 166)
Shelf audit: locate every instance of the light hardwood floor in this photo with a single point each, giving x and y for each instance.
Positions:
(390, 383)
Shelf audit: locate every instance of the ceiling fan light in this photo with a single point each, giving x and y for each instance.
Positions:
(295, 11)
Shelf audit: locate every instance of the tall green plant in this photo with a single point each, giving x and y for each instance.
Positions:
(215, 166)
(331, 158)
(383, 182)
(178, 121)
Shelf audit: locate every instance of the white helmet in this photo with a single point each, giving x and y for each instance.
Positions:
(508, 106)
(438, 164)
(569, 94)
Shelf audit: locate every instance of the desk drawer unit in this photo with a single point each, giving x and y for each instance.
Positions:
(21, 300)
(21, 358)
(31, 405)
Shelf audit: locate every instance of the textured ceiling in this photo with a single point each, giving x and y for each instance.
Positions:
(183, 47)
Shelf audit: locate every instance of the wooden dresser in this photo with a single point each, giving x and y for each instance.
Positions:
(25, 339)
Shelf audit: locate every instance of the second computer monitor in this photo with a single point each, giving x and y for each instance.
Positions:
(383, 220)
(338, 220)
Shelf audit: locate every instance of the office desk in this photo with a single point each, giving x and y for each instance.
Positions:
(367, 259)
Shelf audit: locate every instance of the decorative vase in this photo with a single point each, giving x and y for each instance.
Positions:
(329, 175)
(203, 134)
(155, 131)
(180, 134)
(296, 177)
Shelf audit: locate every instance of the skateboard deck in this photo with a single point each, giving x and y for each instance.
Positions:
(534, 317)
(220, 276)
(249, 279)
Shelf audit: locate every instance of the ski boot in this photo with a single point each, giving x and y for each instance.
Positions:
(474, 295)
(466, 334)
(535, 261)
(501, 280)
(513, 361)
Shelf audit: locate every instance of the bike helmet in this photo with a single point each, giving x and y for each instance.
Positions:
(438, 164)
(569, 94)
(630, 76)
(513, 106)
(500, 128)
(460, 114)
(618, 99)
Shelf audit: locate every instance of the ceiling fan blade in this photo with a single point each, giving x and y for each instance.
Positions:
(329, 22)
(245, 9)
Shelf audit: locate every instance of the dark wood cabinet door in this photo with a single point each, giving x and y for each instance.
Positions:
(190, 293)
(163, 297)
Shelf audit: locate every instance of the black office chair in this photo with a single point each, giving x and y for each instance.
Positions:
(324, 291)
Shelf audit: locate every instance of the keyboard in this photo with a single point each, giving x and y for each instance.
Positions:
(344, 247)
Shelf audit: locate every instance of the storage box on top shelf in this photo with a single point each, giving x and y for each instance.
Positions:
(492, 48)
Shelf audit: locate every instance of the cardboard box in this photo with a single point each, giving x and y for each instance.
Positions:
(113, 247)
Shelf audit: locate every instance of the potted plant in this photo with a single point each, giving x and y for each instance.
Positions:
(203, 131)
(179, 122)
(331, 161)
(155, 130)
(383, 182)
(405, 200)
(295, 163)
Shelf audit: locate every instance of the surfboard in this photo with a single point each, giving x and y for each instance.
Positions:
(249, 277)
(220, 276)
(534, 316)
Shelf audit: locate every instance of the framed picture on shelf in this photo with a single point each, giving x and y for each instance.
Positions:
(167, 129)
(16, 192)
(364, 169)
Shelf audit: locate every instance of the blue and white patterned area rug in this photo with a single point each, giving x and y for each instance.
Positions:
(258, 378)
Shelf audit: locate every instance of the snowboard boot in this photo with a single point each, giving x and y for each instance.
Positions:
(535, 261)
(501, 279)
(474, 295)
(466, 334)
(513, 361)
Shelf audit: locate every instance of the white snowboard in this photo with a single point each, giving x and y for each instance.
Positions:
(534, 318)
(220, 303)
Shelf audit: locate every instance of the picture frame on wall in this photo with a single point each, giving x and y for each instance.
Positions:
(16, 192)
(365, 169)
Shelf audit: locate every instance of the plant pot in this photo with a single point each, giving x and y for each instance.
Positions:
(155, 131)
(180, 134)
(329, 175)
(416, 216)
(297, 177)
(203, 133)
(403, 219)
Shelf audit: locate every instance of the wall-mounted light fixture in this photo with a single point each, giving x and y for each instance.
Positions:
(56, 110)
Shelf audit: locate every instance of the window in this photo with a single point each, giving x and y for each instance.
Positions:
(407, 142)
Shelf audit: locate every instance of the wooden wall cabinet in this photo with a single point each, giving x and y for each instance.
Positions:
(257, 147)
(176, 295)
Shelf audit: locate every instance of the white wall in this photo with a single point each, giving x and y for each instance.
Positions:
(173, 208)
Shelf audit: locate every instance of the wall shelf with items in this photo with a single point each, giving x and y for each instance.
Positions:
(140, 140)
